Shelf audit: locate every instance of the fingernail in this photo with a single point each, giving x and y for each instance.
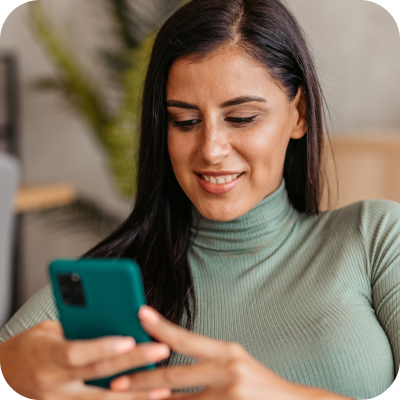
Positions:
(158, 394)
(158, 352)
(120, 384)
(124, 345)
(148, 315)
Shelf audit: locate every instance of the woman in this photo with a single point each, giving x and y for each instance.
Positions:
(283, 302)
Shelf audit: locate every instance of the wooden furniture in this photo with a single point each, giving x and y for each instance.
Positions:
(368, 167)
(38, 198)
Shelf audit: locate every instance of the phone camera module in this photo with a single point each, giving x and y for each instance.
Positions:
(71, 289)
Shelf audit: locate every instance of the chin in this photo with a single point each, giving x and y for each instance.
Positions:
(218, 213)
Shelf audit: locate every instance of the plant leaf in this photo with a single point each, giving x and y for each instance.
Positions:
(76, 82)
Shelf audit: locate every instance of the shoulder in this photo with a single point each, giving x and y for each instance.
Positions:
(380, 227)
(339, 221)
(375, 224)
(382, 214)
(364, 216)
(374, 219)
(368, 230)
(371, 224)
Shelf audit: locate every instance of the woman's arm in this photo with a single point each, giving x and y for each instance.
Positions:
(380, 228)
(40, 307)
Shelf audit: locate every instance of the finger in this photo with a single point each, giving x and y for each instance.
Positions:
(95, 393)
(179, 339)
(51, 326)
(209, 375)
(204, 395)
(155, 394)
(142, 355)
(122, 384)
(78, 353)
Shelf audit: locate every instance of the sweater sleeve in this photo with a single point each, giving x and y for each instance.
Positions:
(40, 307)
(380, 227)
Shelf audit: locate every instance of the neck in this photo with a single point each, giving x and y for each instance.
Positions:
(260, 227)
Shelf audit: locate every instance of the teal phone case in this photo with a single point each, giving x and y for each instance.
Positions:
(113, 292)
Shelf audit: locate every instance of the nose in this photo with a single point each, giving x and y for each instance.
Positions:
(214, 146)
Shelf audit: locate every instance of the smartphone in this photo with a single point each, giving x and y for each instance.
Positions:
(99, 297)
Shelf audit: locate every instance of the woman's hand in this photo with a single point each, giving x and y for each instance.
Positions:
(225, 370)
(40, 364)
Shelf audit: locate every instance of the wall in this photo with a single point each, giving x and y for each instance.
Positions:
(356, 46)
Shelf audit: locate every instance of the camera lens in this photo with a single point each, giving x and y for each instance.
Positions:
(71, 289)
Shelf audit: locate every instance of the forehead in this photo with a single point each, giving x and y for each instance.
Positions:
(225, 73)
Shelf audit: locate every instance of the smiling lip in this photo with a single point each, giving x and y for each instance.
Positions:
(218, 173)
(218, 189)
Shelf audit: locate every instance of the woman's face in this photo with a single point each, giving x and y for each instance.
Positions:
(229, 127)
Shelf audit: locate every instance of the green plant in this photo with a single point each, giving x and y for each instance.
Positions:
(115, 126)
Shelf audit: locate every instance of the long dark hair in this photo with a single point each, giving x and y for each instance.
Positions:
(157, 232)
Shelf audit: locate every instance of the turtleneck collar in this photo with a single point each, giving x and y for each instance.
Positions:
(260, 227)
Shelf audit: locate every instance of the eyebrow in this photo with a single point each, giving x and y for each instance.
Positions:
(229, 103)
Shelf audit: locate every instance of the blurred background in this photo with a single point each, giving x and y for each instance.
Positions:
(70, 81)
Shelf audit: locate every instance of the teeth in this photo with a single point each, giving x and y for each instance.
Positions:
(220, 180)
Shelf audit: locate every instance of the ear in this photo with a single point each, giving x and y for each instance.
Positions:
(300, 115)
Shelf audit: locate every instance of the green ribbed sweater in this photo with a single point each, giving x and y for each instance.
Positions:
(314, 298)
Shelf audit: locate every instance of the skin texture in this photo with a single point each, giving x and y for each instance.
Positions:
(215, 143)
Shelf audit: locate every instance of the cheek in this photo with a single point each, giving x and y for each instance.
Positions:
(266, 150)
(181, 149)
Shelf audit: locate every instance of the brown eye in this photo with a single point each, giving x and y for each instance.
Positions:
(186, 125)
(241, 121)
